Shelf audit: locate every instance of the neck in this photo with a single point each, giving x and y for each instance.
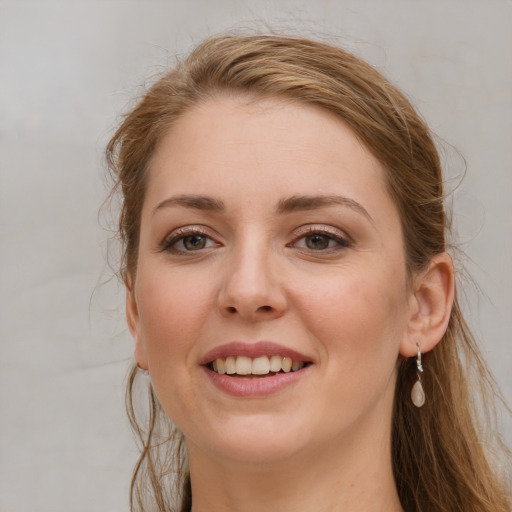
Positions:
(353, 475)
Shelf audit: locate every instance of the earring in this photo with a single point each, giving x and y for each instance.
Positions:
(417, 393)
(145, 373)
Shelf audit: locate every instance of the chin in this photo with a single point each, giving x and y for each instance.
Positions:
(253, 440)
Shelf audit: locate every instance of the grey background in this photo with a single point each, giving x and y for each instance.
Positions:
(67, 70)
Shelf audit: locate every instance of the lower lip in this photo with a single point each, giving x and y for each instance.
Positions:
(260, 386)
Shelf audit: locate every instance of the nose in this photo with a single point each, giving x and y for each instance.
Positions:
(251, 288)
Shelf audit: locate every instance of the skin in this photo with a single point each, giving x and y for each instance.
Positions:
(350, 308)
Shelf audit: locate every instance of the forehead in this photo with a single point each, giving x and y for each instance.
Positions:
(259, 150)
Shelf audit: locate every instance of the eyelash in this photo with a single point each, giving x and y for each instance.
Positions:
(182, 234)
(342, 241)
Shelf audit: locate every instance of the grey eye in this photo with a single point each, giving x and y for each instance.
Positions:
(194, 242)
(317, 242)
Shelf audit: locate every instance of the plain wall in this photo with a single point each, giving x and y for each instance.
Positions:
(67, 71)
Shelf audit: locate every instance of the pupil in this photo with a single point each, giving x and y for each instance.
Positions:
(194, 242)
(317, 242)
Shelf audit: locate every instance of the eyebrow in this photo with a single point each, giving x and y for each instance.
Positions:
(197, 202)
(303, 203)
(289, 205)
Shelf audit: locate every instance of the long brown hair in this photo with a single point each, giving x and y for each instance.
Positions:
(441, 460)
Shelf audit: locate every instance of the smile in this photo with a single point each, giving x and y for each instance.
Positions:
(257, 366)
(255, 369)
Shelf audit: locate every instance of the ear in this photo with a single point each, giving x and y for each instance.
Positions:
(430, 307)
(132, 319)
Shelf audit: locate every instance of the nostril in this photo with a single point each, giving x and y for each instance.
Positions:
(231, 309)
(265, 308)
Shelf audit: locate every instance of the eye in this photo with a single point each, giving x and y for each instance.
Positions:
(319, 240)
(186, 240)
(193, 242)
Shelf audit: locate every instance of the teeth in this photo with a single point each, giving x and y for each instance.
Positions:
(286, 364)
(244, 365)
(230, 365)
(260, 365)
(221, 367)
(275, 363)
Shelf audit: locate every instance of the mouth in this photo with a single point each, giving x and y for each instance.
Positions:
(260, 369)
(254, 360)
(255, 367)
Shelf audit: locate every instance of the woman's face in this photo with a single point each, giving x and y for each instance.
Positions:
(268, 239)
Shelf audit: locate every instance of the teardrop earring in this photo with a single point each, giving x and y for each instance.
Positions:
(417, 393)
(144, 373)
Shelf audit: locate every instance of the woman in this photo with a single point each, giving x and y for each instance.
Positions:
(290, 294)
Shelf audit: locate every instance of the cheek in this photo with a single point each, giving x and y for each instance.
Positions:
(173, 310)
(174, 305)
(358, 325)
(359, 319)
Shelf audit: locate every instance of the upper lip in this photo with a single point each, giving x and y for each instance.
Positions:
(252, 350)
